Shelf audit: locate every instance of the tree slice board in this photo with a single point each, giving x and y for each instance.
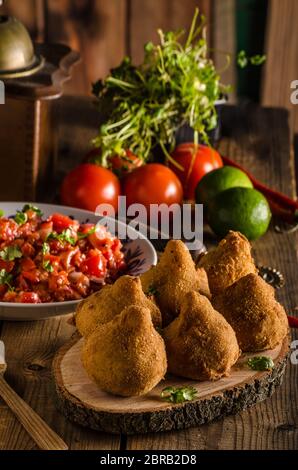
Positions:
(81, 401)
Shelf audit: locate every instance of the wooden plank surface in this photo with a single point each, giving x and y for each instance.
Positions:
(281, 67)
(258, 139)
(29, 350)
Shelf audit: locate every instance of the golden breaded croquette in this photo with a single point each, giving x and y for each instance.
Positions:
(203, 282)
(200, 343)
(173, 276)
(228, 262)
(126, 356)
(249, 305)
(104, 305)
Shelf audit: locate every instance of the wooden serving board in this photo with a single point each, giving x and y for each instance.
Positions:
(81, 401)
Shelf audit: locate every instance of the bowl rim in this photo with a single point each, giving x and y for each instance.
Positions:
(47, 305)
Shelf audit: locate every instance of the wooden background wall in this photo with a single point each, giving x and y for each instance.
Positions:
(102, 30)
(281, 67)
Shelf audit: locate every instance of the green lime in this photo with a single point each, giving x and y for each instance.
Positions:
(241, 209)
(219, 180)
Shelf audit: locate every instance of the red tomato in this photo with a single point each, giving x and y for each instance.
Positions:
(29, 298)
(31, 276)
(94, 266)
(27, 264)
(45, 229)
(120, 165)
(124, 164)
(152, 184)
(89, 185)
(7, 265)
(196, 161)
(61, 222)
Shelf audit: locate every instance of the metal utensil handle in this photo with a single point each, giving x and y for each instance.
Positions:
(41, 433)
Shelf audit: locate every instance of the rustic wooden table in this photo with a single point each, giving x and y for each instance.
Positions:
(256, 138)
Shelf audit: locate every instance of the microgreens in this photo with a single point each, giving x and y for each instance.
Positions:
(178, 394)
(143, 106)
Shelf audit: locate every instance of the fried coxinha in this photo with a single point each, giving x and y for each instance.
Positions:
(104, 305)
(127, 353)
(228, 262)
(126, 356)
(172, 277)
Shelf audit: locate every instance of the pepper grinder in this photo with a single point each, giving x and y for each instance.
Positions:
(31, 75)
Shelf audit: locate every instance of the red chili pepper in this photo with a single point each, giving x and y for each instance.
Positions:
(281, 212)
(280, 204)
(293, 321)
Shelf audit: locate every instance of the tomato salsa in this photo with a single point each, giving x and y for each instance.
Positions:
(54, 259)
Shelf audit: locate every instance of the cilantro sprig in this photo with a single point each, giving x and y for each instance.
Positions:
(64, 236)
(178, 394)
(152, 290)
(10, 253)
(46, 263)
(260, 363)
(67, 236)
(21, 217)
(6, 279)
(47, 266)
(82, 235)
(33, 208)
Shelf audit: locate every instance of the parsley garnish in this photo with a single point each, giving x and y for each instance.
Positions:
(30, 207)
(5, 279)
(47, 266)
(178, 394)
(9, 253)
(65, 236)
(21, 218)
(260, 363)
(82, 235)
(45, 248)
(46, 263)
(1, 213)
(152, 290)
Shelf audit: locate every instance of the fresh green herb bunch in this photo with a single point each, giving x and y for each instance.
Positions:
(177, 83)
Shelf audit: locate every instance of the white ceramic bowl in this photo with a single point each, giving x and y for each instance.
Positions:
(139, 253)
